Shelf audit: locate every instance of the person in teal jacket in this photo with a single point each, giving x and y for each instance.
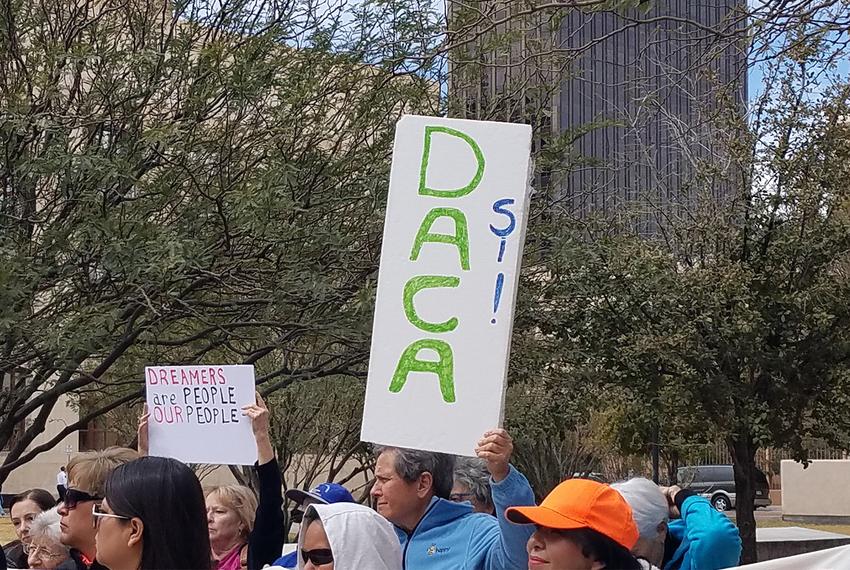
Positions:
(703, 538)
(679, 530)
(412, 490)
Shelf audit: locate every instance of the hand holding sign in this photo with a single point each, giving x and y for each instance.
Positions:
(496, 448)
(142, 442)
(259, 414)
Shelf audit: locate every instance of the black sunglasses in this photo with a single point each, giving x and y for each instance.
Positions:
(75, 496)
(318, 556)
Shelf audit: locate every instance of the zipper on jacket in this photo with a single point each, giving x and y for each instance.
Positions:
(410, 536)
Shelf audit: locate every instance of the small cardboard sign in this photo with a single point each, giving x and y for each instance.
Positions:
(455, 226)
(196, 413)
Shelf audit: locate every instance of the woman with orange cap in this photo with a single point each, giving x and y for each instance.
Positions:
(581, 525)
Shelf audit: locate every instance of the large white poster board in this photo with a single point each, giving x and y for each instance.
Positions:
(455, 226)
(832, 559)
(196, 413)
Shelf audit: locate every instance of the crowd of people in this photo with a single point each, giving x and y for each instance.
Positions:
(124, 510)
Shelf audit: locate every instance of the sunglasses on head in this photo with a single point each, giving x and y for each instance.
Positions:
(318, 556)
(75, 496)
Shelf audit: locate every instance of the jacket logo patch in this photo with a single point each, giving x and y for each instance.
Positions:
(433, 549)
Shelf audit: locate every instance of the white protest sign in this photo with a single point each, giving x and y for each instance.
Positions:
(455, 226)
(196, 413)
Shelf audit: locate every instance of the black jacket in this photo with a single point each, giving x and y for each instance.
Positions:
(76, 563)
(265, 543)
(14, 555)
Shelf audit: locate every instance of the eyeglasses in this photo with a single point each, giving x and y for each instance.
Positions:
(74, 496)
(460, 497)
(41, 552)
(98, 514)
(319, 556)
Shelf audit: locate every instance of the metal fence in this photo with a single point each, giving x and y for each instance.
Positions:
(768, 459)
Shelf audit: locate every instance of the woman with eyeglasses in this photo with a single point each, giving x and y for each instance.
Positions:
(23, 511)
(472, 484)
(152, 518)
(45, 549)
(347, 536)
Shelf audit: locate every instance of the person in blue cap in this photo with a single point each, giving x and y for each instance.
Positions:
(324, 494)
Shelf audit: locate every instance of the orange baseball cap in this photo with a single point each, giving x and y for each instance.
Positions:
(581, 503)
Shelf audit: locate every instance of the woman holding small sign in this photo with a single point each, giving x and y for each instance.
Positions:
(245, 533)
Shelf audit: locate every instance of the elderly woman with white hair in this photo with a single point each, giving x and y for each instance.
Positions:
(697, 538)
(45, 549)
(651, 514)
(472, 484)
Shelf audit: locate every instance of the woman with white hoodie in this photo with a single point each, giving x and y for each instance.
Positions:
(346, 536)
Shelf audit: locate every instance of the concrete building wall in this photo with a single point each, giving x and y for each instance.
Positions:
(41, 472)
(819, 492)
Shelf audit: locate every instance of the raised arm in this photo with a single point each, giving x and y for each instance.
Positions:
(510, 488)
(265, 542)
(714, 541)
(142, 442)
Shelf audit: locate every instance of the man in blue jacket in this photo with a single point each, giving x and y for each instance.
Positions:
(412, 490)
(679, 530)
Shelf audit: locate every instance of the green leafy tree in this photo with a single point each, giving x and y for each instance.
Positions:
(735, 317)
(191, 182)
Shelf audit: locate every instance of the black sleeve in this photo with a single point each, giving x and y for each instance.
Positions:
(681, 496)
(14, 556)
(265, 544)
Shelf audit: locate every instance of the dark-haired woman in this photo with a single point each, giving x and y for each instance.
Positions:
(23, 510)
(152, 518)
(244, 533)
(581, 525)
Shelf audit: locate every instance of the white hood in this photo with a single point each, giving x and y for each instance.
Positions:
(360, 538)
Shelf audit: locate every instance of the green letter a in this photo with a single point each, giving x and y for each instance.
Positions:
(460, 239)
(443, 367)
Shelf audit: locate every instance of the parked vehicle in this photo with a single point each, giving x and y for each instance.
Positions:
(717, 484)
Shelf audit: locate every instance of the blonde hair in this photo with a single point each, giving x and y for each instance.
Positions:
(90, 470)
(242, 501)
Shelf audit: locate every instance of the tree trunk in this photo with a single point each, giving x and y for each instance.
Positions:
(673, 468)
(743, 452)
(654, 451)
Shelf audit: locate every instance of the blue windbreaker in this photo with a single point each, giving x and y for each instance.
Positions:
(707, 539)
(452, 536)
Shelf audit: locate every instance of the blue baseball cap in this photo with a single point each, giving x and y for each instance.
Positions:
(325, 494)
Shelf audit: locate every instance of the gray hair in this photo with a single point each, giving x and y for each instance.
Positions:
(471, 472)
(411, 463)
(648, 503)
(46, 525)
